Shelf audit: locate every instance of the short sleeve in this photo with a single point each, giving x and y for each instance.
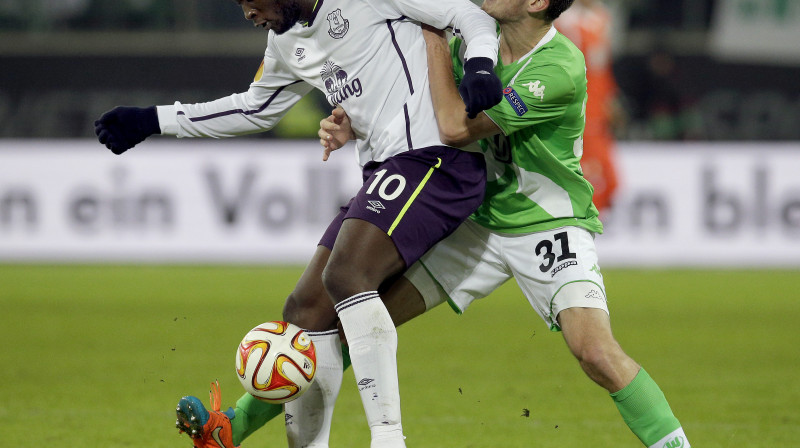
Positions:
(537, 95)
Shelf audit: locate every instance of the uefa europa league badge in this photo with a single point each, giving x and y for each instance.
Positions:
(338, 24)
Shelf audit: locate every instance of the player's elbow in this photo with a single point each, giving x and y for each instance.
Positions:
(451, 134)
(455, 142)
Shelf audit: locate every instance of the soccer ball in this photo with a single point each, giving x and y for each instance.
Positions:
(276, 362)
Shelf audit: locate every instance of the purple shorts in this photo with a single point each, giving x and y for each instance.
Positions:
(416, 197)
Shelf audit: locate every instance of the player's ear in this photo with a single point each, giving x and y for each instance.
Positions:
(538, 7)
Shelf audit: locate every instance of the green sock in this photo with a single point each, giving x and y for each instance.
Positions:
(252, 413)
(645, 409)
(346, 357)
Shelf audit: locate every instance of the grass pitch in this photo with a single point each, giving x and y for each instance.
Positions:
(99, 356)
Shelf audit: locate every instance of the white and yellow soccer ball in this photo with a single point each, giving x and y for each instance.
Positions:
(276, 362)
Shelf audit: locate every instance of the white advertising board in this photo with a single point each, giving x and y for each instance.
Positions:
(724, 204)
(169, 200)
(266, 201)
(756, 31)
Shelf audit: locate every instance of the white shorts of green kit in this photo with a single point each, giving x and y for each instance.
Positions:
(555, 269)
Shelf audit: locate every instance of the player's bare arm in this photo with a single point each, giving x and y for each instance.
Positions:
(455, 128)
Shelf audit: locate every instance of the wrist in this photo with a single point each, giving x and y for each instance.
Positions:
(150, 122)
(477, 64)
(168, 119)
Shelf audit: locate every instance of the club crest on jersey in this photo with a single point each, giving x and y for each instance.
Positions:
(338, 24)
(337, 85)
(516, 102)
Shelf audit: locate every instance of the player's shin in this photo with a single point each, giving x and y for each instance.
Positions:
(251, 414)
(372, 339)
(308, 418)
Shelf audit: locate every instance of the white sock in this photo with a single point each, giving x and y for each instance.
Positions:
(372, 339)
(308, 418)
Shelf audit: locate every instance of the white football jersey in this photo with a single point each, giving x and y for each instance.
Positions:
(366, 55)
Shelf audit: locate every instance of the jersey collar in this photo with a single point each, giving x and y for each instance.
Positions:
(551, 33)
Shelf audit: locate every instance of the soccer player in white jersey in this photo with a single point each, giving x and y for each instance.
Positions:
(367, 56)
(537, 221)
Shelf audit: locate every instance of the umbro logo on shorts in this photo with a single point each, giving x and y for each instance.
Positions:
(375, 206)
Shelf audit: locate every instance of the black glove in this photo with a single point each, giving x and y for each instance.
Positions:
(481, 88)
(122, 128)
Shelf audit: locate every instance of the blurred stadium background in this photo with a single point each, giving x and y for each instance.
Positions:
(706, 70)
(705, 227)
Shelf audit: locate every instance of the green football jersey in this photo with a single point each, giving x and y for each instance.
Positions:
(535, 180)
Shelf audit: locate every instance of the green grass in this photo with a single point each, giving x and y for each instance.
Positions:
(99, 355)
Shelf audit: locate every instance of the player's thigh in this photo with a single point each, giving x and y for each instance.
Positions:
(356, 250)
(556, 270)
(362, 259)
(464, 267)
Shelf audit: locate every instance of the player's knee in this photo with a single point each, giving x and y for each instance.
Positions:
(291, 310)
(339, 282)
(607, 365)
(309, 313)
(599, 356)
(345, 279)
(591, 354)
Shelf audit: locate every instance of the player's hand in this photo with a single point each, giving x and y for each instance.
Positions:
(480, 88)
(122, 128)
(334, 132)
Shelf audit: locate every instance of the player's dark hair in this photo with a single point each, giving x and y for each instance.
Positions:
(556, 8)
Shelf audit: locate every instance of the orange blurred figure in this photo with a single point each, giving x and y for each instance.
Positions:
(587, 24)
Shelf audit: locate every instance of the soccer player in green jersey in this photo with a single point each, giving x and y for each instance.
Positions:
(537, 222)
